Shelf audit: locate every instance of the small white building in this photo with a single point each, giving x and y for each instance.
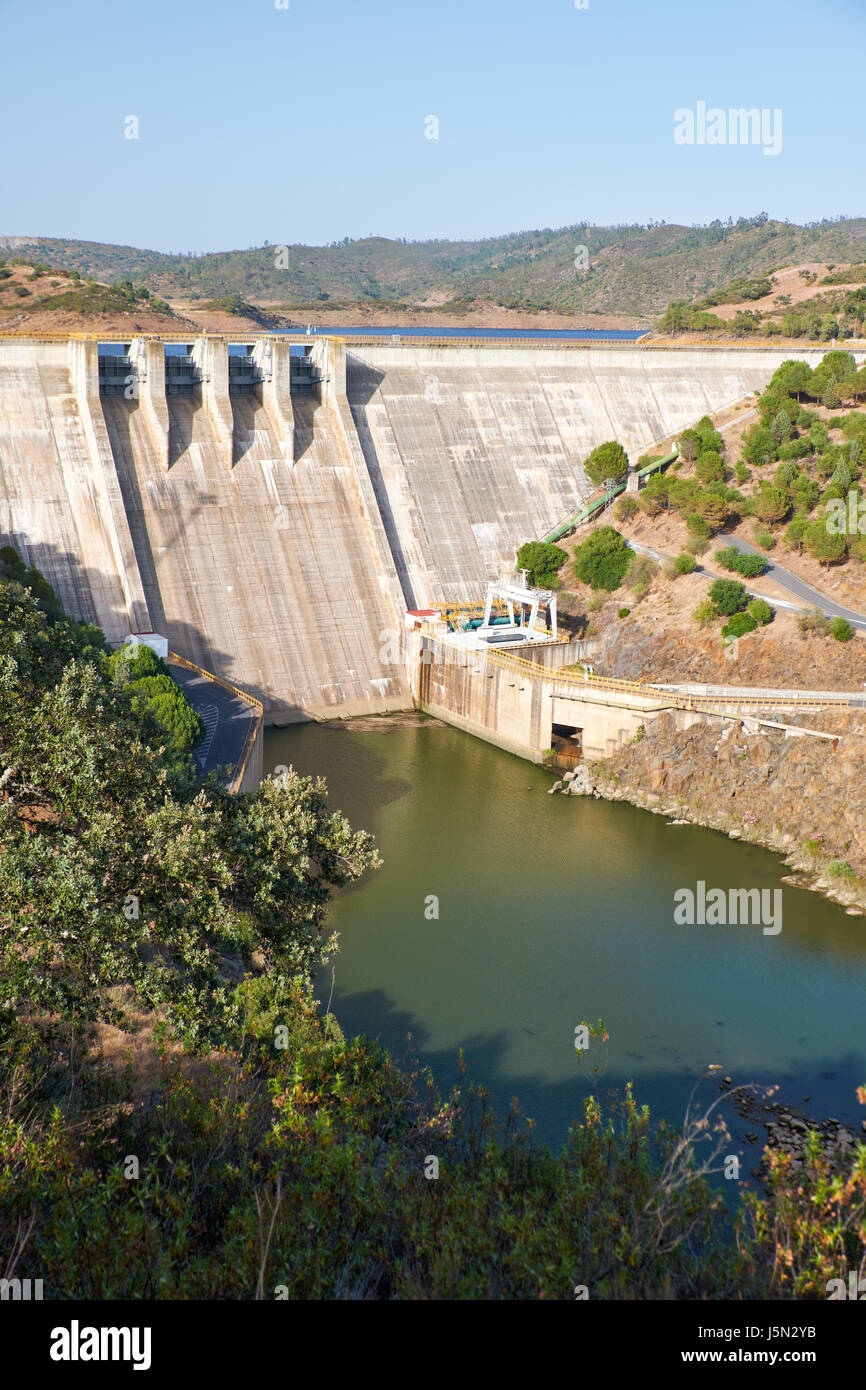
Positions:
(148, 639)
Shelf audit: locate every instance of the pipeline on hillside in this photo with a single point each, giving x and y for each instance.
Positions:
(587, 512)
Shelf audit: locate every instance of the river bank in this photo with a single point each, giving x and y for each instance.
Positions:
(802, 798)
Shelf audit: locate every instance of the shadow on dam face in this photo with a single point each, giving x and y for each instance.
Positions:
(367, 381)
(75, 587)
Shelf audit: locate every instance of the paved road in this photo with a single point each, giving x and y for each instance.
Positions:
(795, 585)
(227, 720)
(809, 596)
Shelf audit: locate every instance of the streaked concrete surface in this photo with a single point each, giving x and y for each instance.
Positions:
(278, 544)
(261, 572)
(474, 451)
(52, 505)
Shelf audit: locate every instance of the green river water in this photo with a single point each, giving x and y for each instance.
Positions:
(555, 911)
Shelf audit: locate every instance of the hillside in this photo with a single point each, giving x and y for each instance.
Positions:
(633, 270)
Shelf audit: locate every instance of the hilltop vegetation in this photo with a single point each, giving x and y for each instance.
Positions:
(30, 288)
(636, 269)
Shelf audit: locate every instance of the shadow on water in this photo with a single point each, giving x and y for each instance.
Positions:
(552, 911)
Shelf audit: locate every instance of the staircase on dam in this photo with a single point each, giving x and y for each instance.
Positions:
(276, 518)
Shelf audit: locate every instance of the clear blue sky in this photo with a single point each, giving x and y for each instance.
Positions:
(307, 123)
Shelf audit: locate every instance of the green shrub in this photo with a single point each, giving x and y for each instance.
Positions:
(823, 545)
(623, 612)
(704, 614)
(813, 621)
(608, 460)
(626, 507)
(697, 527)
(765, 539)
(739, 625)
(838, 868)
(728, 596)
(542, 560)
(760, 610)
(740, 561)
(603, 559)
(685, 563)
(841, 629)
(641, 574)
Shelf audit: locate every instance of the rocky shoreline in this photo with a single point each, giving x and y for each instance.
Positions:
(804, 800)
(714, 772)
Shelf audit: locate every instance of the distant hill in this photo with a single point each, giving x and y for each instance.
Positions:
(633, 270)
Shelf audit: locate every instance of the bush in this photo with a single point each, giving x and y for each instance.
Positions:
(133, 661)
(623, 612)
(838, 868)
(739, 625)
(704, 614)
(823, 545)
(542, 560)
(841, 629)
(685, 563)
(698, 545)
(603, 559)
(641, 574)
(743, 474)
(760, 610)
(608, 460)
(626, 508)
(728, 596)
(697, 527)
(740, 562)
(765, 539)
(709, 467)
(813, 621)
(772, 504)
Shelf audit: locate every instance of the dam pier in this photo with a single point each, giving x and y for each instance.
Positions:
(292, 512)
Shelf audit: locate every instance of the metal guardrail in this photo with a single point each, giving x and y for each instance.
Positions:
(408, 339)
(252, 734)
(639, 689)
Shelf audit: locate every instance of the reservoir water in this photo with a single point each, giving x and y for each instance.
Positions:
(554, 911)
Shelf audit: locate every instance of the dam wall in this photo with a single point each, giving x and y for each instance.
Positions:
(259, 565)
(474, 450)
(275, 524)
(60, 505)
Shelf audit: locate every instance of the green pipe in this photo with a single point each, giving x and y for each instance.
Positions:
(592, 507)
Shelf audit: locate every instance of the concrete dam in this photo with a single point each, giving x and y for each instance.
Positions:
(273, 505)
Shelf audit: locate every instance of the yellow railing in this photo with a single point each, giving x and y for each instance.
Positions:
(398, 339)
(252, 733)
(639, 689)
